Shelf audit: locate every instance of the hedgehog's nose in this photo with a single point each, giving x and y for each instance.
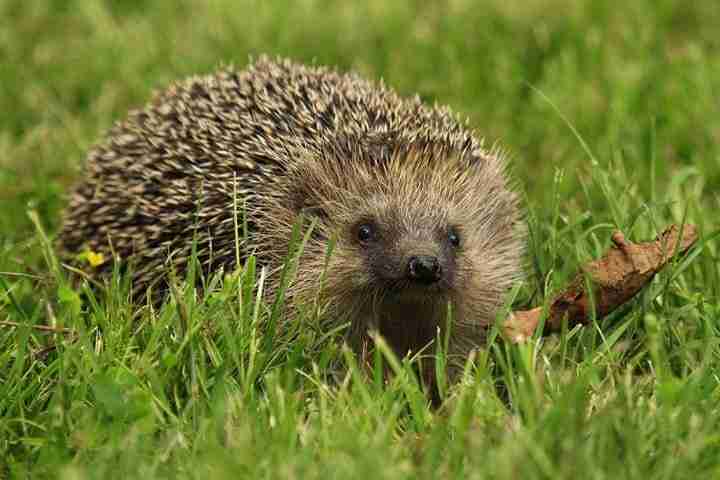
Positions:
(424, 269)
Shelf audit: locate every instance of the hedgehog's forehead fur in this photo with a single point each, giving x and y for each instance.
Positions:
(407, 184)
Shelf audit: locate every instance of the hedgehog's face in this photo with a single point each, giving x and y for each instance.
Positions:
(408, 258)
(414, 239)
(404, 267)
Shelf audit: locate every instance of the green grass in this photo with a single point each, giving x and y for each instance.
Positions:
(205, 388)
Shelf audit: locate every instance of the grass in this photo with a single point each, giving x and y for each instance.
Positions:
(611, 114)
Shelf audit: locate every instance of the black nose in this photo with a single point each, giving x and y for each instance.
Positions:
(424, 269)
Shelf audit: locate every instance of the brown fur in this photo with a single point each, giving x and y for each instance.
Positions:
(291, 140)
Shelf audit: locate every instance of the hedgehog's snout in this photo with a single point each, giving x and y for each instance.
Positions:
(425, 269)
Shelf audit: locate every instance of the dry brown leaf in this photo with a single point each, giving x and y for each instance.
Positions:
(616, 277)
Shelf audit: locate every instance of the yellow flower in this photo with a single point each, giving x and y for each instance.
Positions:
(95, 259)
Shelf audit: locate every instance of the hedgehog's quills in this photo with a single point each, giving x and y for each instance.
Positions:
(420, 212)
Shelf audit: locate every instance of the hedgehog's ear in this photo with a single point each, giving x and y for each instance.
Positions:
(318, 217)
(315, 212)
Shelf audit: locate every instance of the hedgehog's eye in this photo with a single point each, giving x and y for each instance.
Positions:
(454, 238)
(365, 232)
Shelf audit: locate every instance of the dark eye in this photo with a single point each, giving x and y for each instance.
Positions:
(454, 238)
(365, 232)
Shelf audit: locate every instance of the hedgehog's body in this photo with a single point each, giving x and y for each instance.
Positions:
(419, 212)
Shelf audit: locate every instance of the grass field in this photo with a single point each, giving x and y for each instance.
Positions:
(611, 114)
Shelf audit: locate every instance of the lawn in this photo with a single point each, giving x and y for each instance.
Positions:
(610, 113)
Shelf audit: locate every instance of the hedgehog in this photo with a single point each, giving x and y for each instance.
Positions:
(415, 231)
